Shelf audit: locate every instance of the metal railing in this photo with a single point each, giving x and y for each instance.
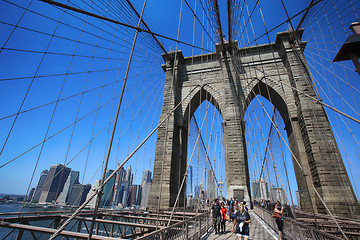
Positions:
(293, 229)
(191, 228)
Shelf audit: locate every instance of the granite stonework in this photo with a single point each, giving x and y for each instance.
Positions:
(230, 78)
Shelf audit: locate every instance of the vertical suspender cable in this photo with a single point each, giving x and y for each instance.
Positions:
(112, 135)
(115, 123)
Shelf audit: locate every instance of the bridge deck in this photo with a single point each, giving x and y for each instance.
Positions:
(259, 230)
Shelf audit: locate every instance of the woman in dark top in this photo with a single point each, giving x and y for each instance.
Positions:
(279, 222)
(241, 222)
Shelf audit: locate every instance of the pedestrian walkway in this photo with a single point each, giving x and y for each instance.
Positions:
(259, 230)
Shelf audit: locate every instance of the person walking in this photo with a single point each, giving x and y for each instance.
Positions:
(223, 217)
(216, 214)
(227, 206)
(241, 223)
(279, 221)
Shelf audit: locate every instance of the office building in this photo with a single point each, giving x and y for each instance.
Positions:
(119, 187)
(54, 183)
(190, 201)
(146, 177)
(260, 189)
(145, 191)
(189, 180)
(278, 194)
(210, 181)
(126, 186)
(108, 190)
(197, 191)
(78, 194)
(134, 195)
(30, 195)
(92, 202)
(72, 179)
(40, 185)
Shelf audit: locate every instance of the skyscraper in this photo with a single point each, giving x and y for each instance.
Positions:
(190, 180)
(40, 185)
(134, 195)
(78, 194)
(210, 185)
(108, 190)
(92, 202)
(197, 191)
(72, 179)
(119, 187)
(54, 183)
(278, 194)
(129, 175)
(127, 183)
(145, 190)
(30, 195)
(146, 177)
(260, 189)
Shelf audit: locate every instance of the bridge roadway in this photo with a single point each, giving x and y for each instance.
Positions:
(259, 230)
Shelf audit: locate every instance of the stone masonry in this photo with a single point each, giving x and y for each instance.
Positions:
(230, 78)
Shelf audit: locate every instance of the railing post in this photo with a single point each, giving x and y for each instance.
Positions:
(313, 234)
(187, 230)
(199, 224)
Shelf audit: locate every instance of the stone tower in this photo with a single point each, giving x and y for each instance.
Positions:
(230, 79)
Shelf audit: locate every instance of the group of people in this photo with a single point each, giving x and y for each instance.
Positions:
(264, 204)
(237, 213)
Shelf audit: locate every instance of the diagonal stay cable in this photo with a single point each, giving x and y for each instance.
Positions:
(114, 127)
(58, 232)
(66, 127)
(117, 22)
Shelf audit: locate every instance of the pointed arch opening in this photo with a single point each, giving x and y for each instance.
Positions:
(206, 177)
(268, 130)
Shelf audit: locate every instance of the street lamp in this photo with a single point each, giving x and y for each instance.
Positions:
(350, 50)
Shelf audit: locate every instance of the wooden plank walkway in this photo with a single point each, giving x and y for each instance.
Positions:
(259, 230)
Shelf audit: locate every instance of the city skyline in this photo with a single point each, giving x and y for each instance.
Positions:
(61, 185)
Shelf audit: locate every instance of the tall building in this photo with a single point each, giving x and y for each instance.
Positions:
(197, 191)
(119, 187)
(190, 201)
(278, 194)
(260, 189)
(108, 190)
(126, 184)
(145, 191)
(134, 195)
(78, 194)
(190, 180)
(129, 175)
(40, 185)
(54, 183)
(72, 179)
(30, 195)
(210, 181)
(146, 177)
(92, 202)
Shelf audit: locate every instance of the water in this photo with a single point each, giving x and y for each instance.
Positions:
(6, 208)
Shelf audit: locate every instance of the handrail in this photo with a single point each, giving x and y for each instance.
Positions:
(191, 228)
(292, 228)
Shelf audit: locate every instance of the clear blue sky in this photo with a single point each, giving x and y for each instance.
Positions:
(97, 57)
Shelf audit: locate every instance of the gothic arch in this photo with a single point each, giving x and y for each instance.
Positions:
(310, 137)
(201, 94)
(266, 90)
